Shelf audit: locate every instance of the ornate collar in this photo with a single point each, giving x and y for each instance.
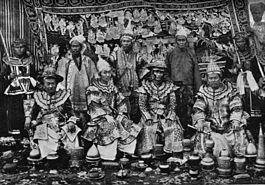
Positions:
(219, 93)
(107, 88)
(18, 62)
(158, 92)
(44, 100)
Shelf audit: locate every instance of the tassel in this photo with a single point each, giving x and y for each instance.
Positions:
(240, 84)
(251, 81)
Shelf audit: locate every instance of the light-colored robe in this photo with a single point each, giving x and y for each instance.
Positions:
(75, 80)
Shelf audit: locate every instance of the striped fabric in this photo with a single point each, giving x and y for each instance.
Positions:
(13, 23)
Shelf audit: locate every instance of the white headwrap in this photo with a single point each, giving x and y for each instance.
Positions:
(181, 30)
(80, 38)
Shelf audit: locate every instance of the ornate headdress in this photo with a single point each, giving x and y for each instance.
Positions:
(50, 72)
(19, 41)
(102, 65)
(158, 62)
(128, 32)
(213, 68)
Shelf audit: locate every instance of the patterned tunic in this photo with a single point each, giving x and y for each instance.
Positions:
(219, 108)
(51, 114)
(106, 100)
(158, 105)
(17, 88)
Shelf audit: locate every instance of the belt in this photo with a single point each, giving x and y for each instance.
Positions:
(220, 130)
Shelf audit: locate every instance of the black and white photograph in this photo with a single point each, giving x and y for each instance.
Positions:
(132, 92)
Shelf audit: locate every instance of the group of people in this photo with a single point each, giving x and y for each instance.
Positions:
(122, 104)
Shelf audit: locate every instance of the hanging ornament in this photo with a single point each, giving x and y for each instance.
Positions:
(91, 37)
(157, 28)
(102, 21)
(108, 33)
(151, 20)
(143, 15)
(94, 21)
(99, 49)
(100, 36)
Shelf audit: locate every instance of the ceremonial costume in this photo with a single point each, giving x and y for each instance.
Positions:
(158, 103)
(50, 114)
(106, 103)
(217, 109)
(18, 86)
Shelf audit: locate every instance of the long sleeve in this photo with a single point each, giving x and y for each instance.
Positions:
(235, 106)
(67, 108)
(199, 110)
(121, 104)
(35, 111)
(172, 106)
(142, 104)
(5, 71)
(197, 75)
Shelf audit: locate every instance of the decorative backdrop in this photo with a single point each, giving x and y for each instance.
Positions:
(155, 22)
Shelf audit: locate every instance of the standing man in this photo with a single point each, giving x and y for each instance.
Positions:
(127, 66)
(78, 71)
(184, 70)
(17, 71)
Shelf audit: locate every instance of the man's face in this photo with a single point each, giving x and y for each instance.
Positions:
(50, 85)
(241, 44)
(19, 50)
(214, 80)
(158, 74)
(181, 41)
(126, 43)
(76, 47)
(105, 75)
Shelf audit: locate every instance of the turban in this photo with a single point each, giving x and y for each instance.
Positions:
(80, 38)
